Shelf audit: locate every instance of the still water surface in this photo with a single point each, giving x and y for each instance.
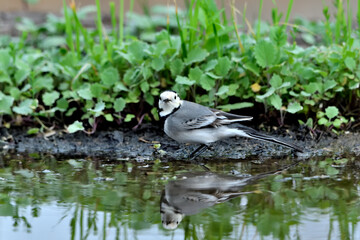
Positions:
(47, 198)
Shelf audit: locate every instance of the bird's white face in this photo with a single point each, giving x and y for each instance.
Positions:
(168, 101)
(170, 219)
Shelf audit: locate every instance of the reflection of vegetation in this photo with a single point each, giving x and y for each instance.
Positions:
(117, 201)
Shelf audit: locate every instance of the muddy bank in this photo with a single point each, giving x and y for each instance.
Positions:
(149, 142)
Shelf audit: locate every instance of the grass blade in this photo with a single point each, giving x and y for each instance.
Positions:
(259, 21)
(121, 19)
(233, 16)
(288, 12)
(99, 26)
(183, 44)
(68, 28)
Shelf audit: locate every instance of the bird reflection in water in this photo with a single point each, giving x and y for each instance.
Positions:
(193, 192)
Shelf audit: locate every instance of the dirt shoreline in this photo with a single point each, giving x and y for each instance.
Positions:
(150, 143)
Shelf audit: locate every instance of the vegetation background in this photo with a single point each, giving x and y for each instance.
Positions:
(62, 74)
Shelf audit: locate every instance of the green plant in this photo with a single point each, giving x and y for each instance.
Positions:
(330, 118)
(92, 76)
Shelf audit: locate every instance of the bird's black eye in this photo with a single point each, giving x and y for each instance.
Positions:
(175, 97)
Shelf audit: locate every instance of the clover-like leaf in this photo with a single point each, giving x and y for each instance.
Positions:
(196, 55)
(119, 104)
(158, 63)
(49, 98)
(109, 76)
(184, 81)
(223, 66)
(331, 112)
(266, 53)
(176, 67)
(75, 126)
(276, 101)
(350, 63)
(25, 107)
(5, 103)
(294, 107)
(275, 81)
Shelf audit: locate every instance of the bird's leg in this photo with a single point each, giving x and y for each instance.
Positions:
(198, 151)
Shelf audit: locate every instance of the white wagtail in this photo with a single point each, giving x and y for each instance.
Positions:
(188, 122)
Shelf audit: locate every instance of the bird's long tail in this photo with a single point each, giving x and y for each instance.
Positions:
(251, 133)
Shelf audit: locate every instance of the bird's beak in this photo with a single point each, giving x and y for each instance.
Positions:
(167, 100)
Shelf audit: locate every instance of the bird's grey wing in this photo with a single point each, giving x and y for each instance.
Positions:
(199, 122)
(193, 116)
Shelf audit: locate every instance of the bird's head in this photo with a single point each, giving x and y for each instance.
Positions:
(168, 102)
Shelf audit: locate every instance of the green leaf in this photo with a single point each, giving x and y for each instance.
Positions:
(210, 65)
(76, 163)
(223, 66)
(206, 82)
(75, 126)
(276, 81)
(25, 107)
(276, 101)
(252, 67)
(119, 86)
(196, 55)
(353, 85)
(184, 81)
(49, 98)
(15, 93)
(155, 113)
(52, 41)
(331, 171)
(129, 117)
(329, 84)
(109, 117)
(130, 76)
(6, 103)
(5, 59)
(267, 94)
(119, 104)
(350, 63)
(278, 35)
(322, 121)
(195, 74)
(42, 82)
(158, 63)
(96, 90)
(109, 76)
(176, 67)
(98, 109)
(85, 93)
(144, 86)
(62, 104)
(229, 107)
(313, 87)
(33, 131)
(5, 78)
(266, 53)
(337, 123)
(21, 75)
(222, 90)
(136, 50)
(331, 112)
(294, 107)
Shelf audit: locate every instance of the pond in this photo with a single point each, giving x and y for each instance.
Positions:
(44, 196)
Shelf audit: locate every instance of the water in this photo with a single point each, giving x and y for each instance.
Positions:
(46, 198)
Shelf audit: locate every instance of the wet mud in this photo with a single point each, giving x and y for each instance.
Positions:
(149, 143)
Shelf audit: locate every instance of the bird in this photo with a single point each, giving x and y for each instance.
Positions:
(189, 122)
(193, 192)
